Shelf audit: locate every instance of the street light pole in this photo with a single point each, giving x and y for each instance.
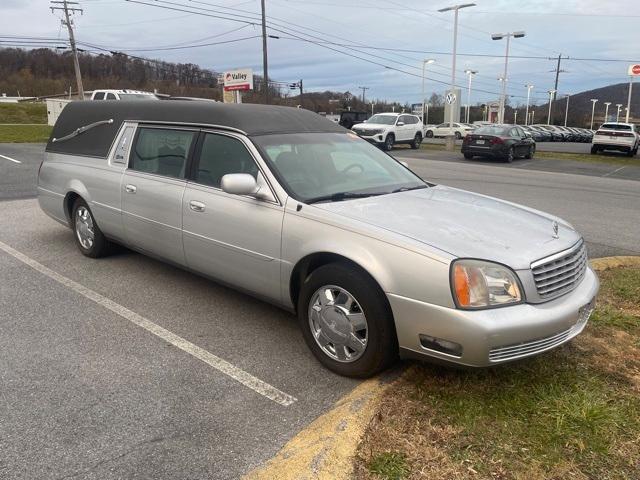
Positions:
(503, 97)
(566, 110)
(606, 110)
(424, 64)
(470, 74)
(619, 105)
(629, 98)
(450, 138)
(593, 111)
(526, 116)
(551, 94)
(265, 68)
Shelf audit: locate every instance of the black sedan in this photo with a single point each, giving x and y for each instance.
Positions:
(499, 141)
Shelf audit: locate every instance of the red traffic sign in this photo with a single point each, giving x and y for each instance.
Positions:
(634, 69)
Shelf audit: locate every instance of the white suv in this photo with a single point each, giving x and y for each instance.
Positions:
(387, 129)
(616, 136)
(122, 95)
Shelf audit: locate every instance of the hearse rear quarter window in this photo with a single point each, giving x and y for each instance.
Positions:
(162, 151)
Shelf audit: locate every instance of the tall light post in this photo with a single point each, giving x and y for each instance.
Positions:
(619, 105)
(515, 116)
(566, 110)
(593, 111)
(526, 115)
(500, 36)
(551, 94)
(425, 62)
(456, 8)
(606, 110)
(533, 114)
(470, 74)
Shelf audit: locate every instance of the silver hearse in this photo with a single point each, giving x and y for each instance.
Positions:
(289, 207)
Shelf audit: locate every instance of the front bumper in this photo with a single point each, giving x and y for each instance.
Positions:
(494, 336)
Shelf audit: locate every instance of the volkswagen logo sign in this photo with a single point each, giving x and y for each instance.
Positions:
(450, 98)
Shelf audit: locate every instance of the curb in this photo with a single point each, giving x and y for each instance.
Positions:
(600, 264)
(324, 450)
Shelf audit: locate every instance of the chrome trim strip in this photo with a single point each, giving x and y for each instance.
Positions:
(108, 207)
(50, 191)
(148, 220)
(555, 256)
(189, 124)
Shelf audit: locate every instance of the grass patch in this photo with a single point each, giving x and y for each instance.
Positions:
(611, 158)
(571, 413)
(23, 113)
(24, 133)
(389, 465)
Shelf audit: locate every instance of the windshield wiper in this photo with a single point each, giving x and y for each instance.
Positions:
(337, 197)
(406, 189)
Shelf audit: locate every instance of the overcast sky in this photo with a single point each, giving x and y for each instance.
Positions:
(576, 28)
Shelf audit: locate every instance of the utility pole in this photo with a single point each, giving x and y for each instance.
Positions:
(63, 5)
(265, 66)
(301, 97)
(364, 89)
(555, 87)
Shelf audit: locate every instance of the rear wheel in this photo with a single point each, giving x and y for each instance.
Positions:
(458, 135)
(631, 152)
(510, 155)
(346, 321)
(88, 236)
(468, 156)
(594, 150)
(417, 140)
(389, 141)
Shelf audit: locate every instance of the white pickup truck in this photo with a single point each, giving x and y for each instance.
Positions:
(622, 137)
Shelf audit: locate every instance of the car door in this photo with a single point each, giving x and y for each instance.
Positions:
(152, 188)
(442, 130)
(233, 238)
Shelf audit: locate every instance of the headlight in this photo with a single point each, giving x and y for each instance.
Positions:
(479, 284)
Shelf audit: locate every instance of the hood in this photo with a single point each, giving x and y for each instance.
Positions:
(370, 126)
(463, 224)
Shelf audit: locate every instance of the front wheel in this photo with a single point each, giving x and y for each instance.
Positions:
(417, 140)
(388, 142)
(429, 134)
(346, 321)
(531, 152)
(89, 238)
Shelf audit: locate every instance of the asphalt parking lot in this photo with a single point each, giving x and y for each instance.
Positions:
(126, 367)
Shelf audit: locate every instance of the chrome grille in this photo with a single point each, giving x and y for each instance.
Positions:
(528, 348)
(561, 272)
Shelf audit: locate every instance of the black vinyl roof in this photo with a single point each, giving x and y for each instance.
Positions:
(250, 119)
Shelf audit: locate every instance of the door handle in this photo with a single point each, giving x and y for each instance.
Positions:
(196, 206)
(130, 188)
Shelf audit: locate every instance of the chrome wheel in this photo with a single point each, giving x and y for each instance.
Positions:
(84, 227)
(338, 323)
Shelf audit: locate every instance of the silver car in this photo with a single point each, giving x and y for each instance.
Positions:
(291, 208)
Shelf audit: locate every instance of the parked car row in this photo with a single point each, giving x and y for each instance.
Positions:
(556, 133)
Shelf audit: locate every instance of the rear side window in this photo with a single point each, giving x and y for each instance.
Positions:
(161, 151)
(99, 96)
(111, 96)
(221, 155)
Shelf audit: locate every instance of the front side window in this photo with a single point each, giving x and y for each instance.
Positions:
(220, 155)
(333, 166)
(162, 151)
(99, 96)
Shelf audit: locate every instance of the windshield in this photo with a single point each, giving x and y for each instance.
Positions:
(137, 96)
(383, 119)
(491, 130)
(312, 166)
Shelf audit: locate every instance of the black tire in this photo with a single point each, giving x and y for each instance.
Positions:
(630, 153)
(429, 134)
(388, 142)
(531, 152)
(382, 345)
(594, 150)
(458, 136)
(511, 154)
(468, 156)
(417, 140)
(100, 246)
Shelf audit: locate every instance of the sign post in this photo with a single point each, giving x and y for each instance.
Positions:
(634, 71)
(235, 82)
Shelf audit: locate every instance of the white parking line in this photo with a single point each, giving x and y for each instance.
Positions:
(210, 359)
(10, 159)
(616, 170)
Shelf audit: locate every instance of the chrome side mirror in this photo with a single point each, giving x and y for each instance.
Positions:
(400, 124)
